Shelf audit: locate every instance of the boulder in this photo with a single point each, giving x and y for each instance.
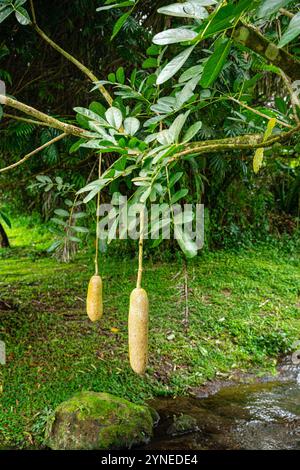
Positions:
(91, 421)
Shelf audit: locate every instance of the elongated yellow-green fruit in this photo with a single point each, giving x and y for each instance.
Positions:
(94, 305)
(138, 330)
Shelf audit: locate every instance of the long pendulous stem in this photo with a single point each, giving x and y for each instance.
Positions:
(85, 70)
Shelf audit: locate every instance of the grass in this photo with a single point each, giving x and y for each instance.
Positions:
(243, 313)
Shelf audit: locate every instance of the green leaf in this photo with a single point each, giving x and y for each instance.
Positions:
(19, 3)
(121, 21)
(43, 179)
(172, 36)
(114, 117)
(187, 245)
(91, 195)
(90, 115)
(271, 6)
(131, 125)
(111, 77)
(97, 108)
(4, 13)
(270, 127)
(179, 195)
(184, 10)
(192, 131)
(80, 229)
(150, 63)
(61, 212)
(186, 93)
(58, 221)
(177, 125)
(258, 160)
(22, 16)
(259, 154)
(224, 18)
(164, 105)
(191, 72)
(74, 147)
(172, 67)
(120, 75)
(54, 245)
(174, 178)
(116, 5)
(145, 195)
(164, 137)
(74, 239)
(6, 219)
(79, 215)
(292, 31)
(215, 63)
(153, 50)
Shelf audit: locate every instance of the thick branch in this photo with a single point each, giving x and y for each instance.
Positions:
(250, 37)
(243, 142)
(34, 152)
(68, 56)
(49, 120)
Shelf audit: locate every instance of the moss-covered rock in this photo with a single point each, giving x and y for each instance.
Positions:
(91, 420)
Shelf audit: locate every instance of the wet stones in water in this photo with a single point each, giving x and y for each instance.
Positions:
(91, 421)
(182, 424)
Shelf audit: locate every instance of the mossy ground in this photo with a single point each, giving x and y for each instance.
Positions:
(243, 313)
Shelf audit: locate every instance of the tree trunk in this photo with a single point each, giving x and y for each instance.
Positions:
(4, 242)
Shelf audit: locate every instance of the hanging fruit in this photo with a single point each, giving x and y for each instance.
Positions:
(138, 316)
(138, 330)
(94, 304)
(94, 301)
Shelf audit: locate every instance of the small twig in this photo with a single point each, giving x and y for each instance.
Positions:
(30, 121)
(186, 295)
(42, 117)
(141, 243)
(259, 113)
(34, 152)
(97, 220)
(68, 56)
(287, 13)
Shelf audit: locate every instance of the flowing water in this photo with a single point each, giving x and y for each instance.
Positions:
(258, 416)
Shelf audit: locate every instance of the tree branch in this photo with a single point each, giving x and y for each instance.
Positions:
(243, 142)
(251, 38)
(47, 120)
(34, 152)
(68, 56)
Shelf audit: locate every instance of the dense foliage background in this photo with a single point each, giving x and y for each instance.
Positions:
(241, 207)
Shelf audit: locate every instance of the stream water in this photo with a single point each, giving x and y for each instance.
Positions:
(258, 416)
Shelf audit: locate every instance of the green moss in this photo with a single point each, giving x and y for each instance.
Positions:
(241, 35)
(92, 420)
(272, 52)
